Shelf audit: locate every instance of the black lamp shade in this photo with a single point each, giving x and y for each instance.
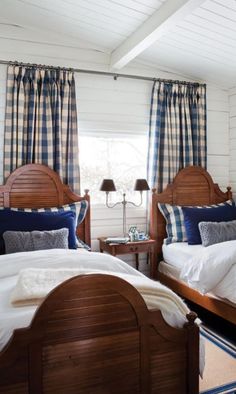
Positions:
(141, 185)
(108, 186)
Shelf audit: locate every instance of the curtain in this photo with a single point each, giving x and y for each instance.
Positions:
(177, 132)
(41, 122)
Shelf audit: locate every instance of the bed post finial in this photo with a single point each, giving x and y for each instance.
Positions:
(229, 192)
(154, 190)
(193, 359)
(191, 317)
(86, 191)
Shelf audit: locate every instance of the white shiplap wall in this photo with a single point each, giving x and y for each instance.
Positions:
(218, 135)
(3, 71)
(232, 139)
(123, 105)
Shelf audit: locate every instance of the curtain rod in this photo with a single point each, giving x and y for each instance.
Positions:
(111, 74)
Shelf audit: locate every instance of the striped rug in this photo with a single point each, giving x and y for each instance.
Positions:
(220, 370)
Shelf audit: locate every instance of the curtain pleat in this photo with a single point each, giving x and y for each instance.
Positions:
(177, 132)
(41, 122)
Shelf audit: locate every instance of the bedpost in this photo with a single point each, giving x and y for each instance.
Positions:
(87, 235)
(157, 232)
(153, 235)
(193, 353)
(229, 192)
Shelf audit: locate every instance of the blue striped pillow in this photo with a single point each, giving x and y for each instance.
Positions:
(174, 217)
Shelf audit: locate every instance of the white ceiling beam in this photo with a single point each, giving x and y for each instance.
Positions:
(163, 20)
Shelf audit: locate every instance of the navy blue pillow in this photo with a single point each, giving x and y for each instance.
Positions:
(193, 216)
(30, 221)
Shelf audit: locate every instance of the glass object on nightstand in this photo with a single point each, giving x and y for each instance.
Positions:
(133, 234)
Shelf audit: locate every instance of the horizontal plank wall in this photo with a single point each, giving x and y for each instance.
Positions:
(118, 106)
(232, 138)
(3, 71)
(218, 135)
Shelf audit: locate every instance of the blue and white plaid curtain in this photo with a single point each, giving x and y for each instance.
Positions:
(177, 134)
(41, 122)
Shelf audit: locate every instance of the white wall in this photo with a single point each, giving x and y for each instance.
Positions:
(118, 106)
(218, 135)
(3, 71)
(232, 139)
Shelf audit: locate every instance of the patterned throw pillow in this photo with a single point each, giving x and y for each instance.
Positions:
(25, 241)
(79, 207)
(214, 233)
(174, 217)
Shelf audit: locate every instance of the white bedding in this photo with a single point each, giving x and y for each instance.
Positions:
(179, 253)
(206, 269)
(172, 307)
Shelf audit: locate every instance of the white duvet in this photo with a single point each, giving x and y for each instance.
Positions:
(15, 284)
(213, 269)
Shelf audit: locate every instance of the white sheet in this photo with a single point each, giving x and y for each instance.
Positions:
(213, 269)
(10, 265)
(174, 273)
(179, 253)
(206, 269)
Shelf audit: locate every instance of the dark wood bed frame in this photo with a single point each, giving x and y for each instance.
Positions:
(192, 186)
(93, 333)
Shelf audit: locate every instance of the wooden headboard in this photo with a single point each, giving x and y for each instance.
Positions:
(37, 186)
(192, 186)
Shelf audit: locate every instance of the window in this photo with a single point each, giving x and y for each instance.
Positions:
(122, 158)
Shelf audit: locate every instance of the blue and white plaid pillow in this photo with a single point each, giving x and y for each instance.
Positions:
(79, 207)
(174, 217)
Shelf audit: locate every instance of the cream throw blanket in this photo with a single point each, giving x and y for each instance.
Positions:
(35, 283)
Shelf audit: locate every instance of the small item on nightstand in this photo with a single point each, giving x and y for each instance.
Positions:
(133, 234)
(117, 240)
(143, 236)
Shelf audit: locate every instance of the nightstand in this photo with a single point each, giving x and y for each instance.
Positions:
(129, 248)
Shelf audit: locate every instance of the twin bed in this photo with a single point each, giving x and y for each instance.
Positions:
(184, 268)
(94, 332)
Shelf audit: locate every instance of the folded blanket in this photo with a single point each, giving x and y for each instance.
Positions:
(34, 284)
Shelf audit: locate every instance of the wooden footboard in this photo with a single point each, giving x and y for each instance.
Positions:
(94, 334)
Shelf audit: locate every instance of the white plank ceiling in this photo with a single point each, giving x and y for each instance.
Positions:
(201, 45)
(103, 24)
